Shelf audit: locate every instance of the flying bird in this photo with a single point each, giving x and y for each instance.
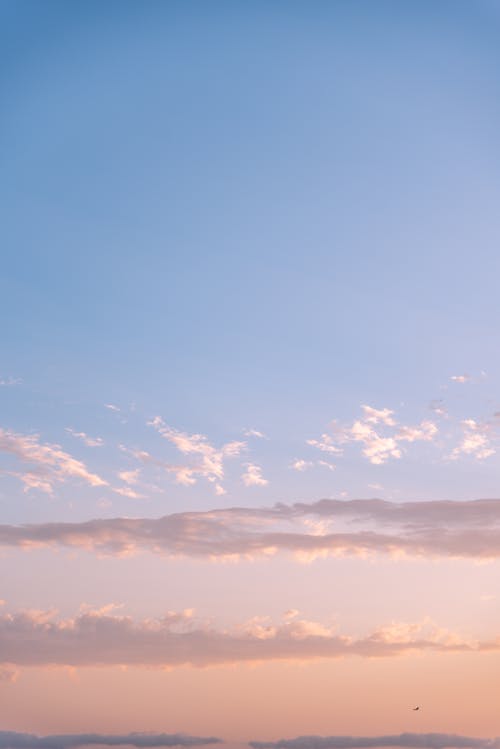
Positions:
(417, 708)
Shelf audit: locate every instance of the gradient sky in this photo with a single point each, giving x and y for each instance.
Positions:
(249, 373)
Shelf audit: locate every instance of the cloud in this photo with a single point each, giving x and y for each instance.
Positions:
(14, 740)
(253, 476)
(377, 446)
(89, 441)
(325, 444)
(461, 379)
(376, 416)
(9, 381)
(476, 441)
(411, 740)
(47, 464)
(301, 465)
(112, 407)
(127, 491)
(39, 638)
(8, 672)
(363, 528)
(129, 477)
(208, 460)
(254, 433)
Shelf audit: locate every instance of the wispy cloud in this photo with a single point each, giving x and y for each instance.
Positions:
(10, 381)
(89, 441)
(404, 740)
(129, 477)
(461, 379)
(299, 464)
(360, 528)
(254, 433)
(14, 740)
(46, 464)
(208, 460)
(39, 638)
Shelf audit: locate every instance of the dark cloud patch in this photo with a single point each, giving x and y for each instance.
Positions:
(410, 740)
(14, 740)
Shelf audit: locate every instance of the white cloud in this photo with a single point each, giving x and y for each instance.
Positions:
(378, 416)
(378, 445)
(127, 491)
(89, 441)
(129, 477)
(9, 381)
(476, 441)
(209, 460)
(253, 476)
(254, 433)
(47, 463)
(301, 465)
(325, 444)
(461, 379)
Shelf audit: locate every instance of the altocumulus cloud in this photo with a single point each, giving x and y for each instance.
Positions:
(14, 740)
(417, 740)
(467, 529)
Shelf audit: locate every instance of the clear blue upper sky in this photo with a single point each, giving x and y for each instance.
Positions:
(239, 214)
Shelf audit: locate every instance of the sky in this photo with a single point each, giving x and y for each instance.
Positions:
(249, 374)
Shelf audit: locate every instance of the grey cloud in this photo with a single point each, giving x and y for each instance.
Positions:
(468, 529)
(14, 740)
(33, 638)
(417, 740)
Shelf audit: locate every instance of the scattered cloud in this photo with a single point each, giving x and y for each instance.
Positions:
(39, 638)
(253, 476)
(325, 444)
(461, 379)
(376, 416)
(377, 446)
(127, 491)
(476, 441)
(46, 464)
(208, 461)
(362, 528)
(129, 477)
(254, 433)
(10, 381)
(112, 407)
(14, 740)
(403, 740)
(438, 407)
(301, 465)
(89, 441)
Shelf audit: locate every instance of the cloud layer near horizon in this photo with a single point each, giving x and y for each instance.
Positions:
(329, 527)
(418, 740)
(15, 740)
(99, 638)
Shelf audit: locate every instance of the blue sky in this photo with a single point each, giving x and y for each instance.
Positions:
(247, 217)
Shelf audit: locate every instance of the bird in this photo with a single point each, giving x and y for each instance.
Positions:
(417, 708)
